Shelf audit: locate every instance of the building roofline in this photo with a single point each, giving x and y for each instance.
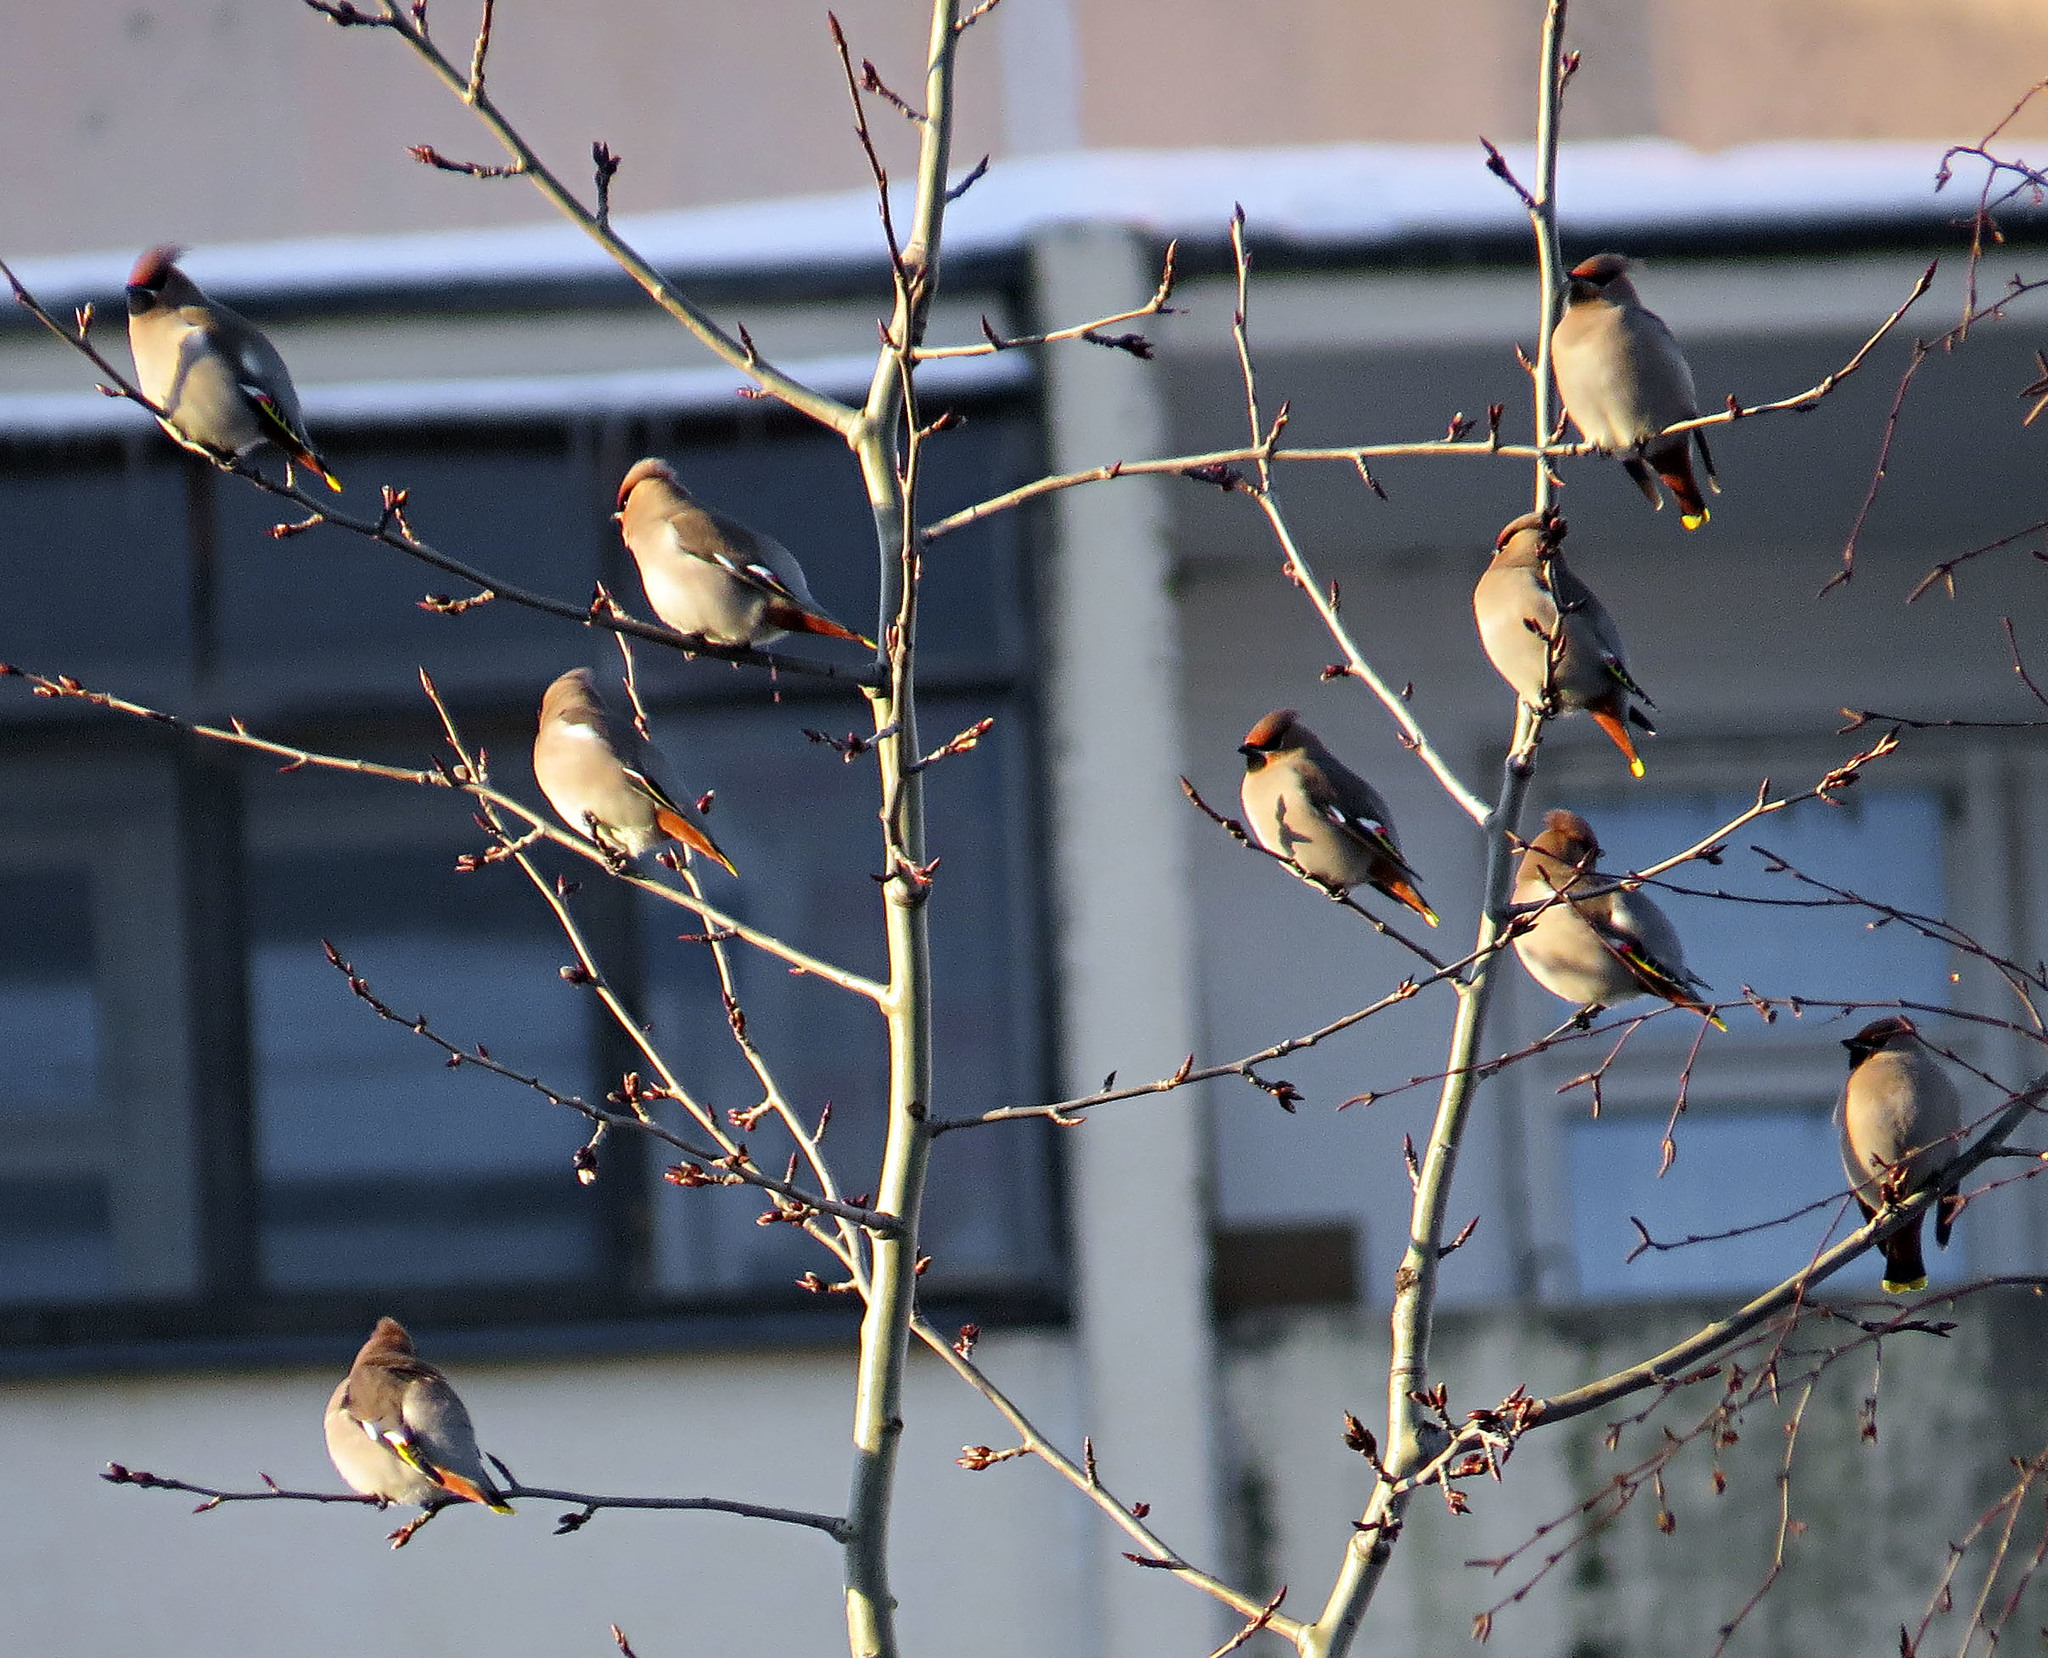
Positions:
(1306, 205)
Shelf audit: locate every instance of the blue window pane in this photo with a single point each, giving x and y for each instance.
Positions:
(112, 528)
(56, 1243)
(1884, 844)
(49, 994)
(806, 877)
(379, 1165)
(1732, 1171)
(330, 601)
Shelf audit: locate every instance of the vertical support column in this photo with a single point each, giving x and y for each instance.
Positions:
(1125, 941)
(1039, 54)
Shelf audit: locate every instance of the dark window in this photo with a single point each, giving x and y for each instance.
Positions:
(307, 1160)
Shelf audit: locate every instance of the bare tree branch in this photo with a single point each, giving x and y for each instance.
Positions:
(830, 1524)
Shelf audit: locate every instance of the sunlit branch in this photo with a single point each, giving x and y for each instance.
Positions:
(1215, 466)
(1130, 1517)
(469, 87)
(1135, 344)
(1412, 737)
(830, 1524)
(727, 1159)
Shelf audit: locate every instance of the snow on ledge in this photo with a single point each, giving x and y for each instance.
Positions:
(1337, 195)
(524, 397)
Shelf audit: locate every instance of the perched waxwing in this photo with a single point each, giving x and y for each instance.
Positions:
(220, 382)
(1305, 804)
(1551, 638)
(396, 1430)
(1901, 1120)
(618, 800)
(708, 574)
(1602, 949)
(1623, 380)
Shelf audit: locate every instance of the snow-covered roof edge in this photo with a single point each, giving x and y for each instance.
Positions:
(523, 397)
(1338, 195)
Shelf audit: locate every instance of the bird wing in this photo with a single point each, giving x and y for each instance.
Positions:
(1576, 600)
(1658, 352)
(758, 562)
(1355, 812)
(257, 368)
(291, 439)
(738, 551)
(1642, 940)
(437, 1433)
(673, 820)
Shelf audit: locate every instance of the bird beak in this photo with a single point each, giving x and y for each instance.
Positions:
(1248, 749)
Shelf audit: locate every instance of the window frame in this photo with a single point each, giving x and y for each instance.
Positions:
(1974, 780)
(218, 1304)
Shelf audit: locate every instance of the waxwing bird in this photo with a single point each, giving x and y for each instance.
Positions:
(1550, 638)
(1601, 949)
(1623, 380)
(709, 574)
(1901, 1120)
(615, 798)
(1306, 805)
(221, 384)
(396, 1430)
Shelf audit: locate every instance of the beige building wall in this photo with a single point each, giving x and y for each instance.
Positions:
(234, 120)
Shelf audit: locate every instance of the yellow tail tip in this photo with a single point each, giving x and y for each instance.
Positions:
(1636, 768)
(503, 1508)
(330, 480)
(1714, 1019)
(1693, 520)
(1894, 1286)
(1429, 915)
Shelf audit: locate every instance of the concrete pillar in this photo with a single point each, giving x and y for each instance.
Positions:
(1140, 1198)
(1039, 55)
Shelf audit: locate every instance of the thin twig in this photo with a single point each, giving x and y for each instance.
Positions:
(827, 411)
(725, 1159)
(830, 1524)
(1135, 344)
(240, 736)
(1085, 1479)
(1214, 464)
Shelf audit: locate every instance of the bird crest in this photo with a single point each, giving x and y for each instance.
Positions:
(640, 472)
(153, 268)
(1270, 733)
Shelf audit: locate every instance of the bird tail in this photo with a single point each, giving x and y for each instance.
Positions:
(795, 619)
(291, 441)
(1645, 480)
(470, 1492)
(1674, 466)
(1905, 1269)
(1945, 1213)
(1658, 981)
(679, 828)
(1618, 734)
(1403, 892)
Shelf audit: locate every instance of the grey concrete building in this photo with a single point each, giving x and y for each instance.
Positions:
(216, 1167)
